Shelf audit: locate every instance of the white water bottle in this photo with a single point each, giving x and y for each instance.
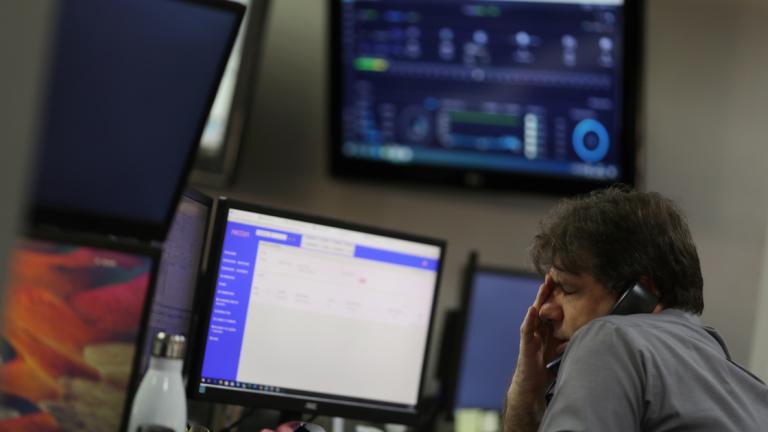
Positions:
(160, 404)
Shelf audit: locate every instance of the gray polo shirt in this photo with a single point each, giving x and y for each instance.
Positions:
(659, 372)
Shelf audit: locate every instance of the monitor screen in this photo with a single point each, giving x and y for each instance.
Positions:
(316, 315)
(534, 94)
(72, 322)
(131, 84)
(177, 276)
(495, 309)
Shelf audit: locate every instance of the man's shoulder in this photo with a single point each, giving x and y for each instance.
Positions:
(667, 320)
(607, 332)
(618, 326)
(635, 330)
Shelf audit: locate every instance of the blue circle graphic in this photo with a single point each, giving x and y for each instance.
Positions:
(603, 141)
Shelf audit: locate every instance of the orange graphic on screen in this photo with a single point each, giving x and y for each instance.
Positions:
(71, 321)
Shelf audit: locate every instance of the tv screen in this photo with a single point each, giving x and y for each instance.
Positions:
(537, 95)
(314, 315)
(74, 319)
(496, 305)
(131, 84)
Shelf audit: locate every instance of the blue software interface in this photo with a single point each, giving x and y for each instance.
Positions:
(497, 305)
(316, 311)
(530, 87)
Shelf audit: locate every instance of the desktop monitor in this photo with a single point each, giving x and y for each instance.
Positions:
(314, 315)
(130, 86)
(173, 306)
(74, 319)
(495, 306)
(536, 95)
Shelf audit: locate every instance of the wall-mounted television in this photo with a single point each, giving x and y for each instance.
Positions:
(531, 95)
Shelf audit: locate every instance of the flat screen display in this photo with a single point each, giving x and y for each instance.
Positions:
(131, 84)
(72, 324)
(497, 304)
(316, 315)
(177, 276)
(535, 94)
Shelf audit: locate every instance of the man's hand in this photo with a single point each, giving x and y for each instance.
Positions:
(525, 396)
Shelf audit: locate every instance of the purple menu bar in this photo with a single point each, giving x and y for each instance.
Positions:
(233, 288)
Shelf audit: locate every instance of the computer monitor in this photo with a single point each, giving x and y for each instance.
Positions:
(525, 94)
(173, 306)
(130, 86)
(496, 303)
(74, 320)
(309, 314)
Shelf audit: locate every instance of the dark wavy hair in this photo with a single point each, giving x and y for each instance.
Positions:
(619, 235)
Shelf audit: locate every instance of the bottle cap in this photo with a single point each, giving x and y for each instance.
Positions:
(168, 345)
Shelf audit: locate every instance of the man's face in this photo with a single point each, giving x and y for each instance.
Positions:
(570, 301)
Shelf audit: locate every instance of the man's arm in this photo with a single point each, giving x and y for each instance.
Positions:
(522, 411)
(524, 406)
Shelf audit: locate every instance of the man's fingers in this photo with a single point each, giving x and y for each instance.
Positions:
(542, 288)
(528, 326)
(544, 291)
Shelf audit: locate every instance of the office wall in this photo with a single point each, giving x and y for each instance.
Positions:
(758, 361)
(23, 31)
(707, 85)
(704, 125)
(758, 89)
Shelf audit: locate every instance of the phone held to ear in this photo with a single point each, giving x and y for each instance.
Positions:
(636, 299)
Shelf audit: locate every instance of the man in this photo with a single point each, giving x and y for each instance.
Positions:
(658, 371)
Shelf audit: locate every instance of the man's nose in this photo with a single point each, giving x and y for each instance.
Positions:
(551, 310)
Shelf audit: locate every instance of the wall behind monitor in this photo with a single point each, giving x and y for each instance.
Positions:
(24, 29)
(706, 132)
(705, 127)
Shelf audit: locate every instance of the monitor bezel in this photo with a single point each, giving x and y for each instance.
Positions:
(344, 168)
(54, 216)
(107, 243)
(298, 404)
(472, 269)
(200, 197)
(219, 168)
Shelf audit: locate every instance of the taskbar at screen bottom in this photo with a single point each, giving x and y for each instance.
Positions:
(492, 161)
(259, 395)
